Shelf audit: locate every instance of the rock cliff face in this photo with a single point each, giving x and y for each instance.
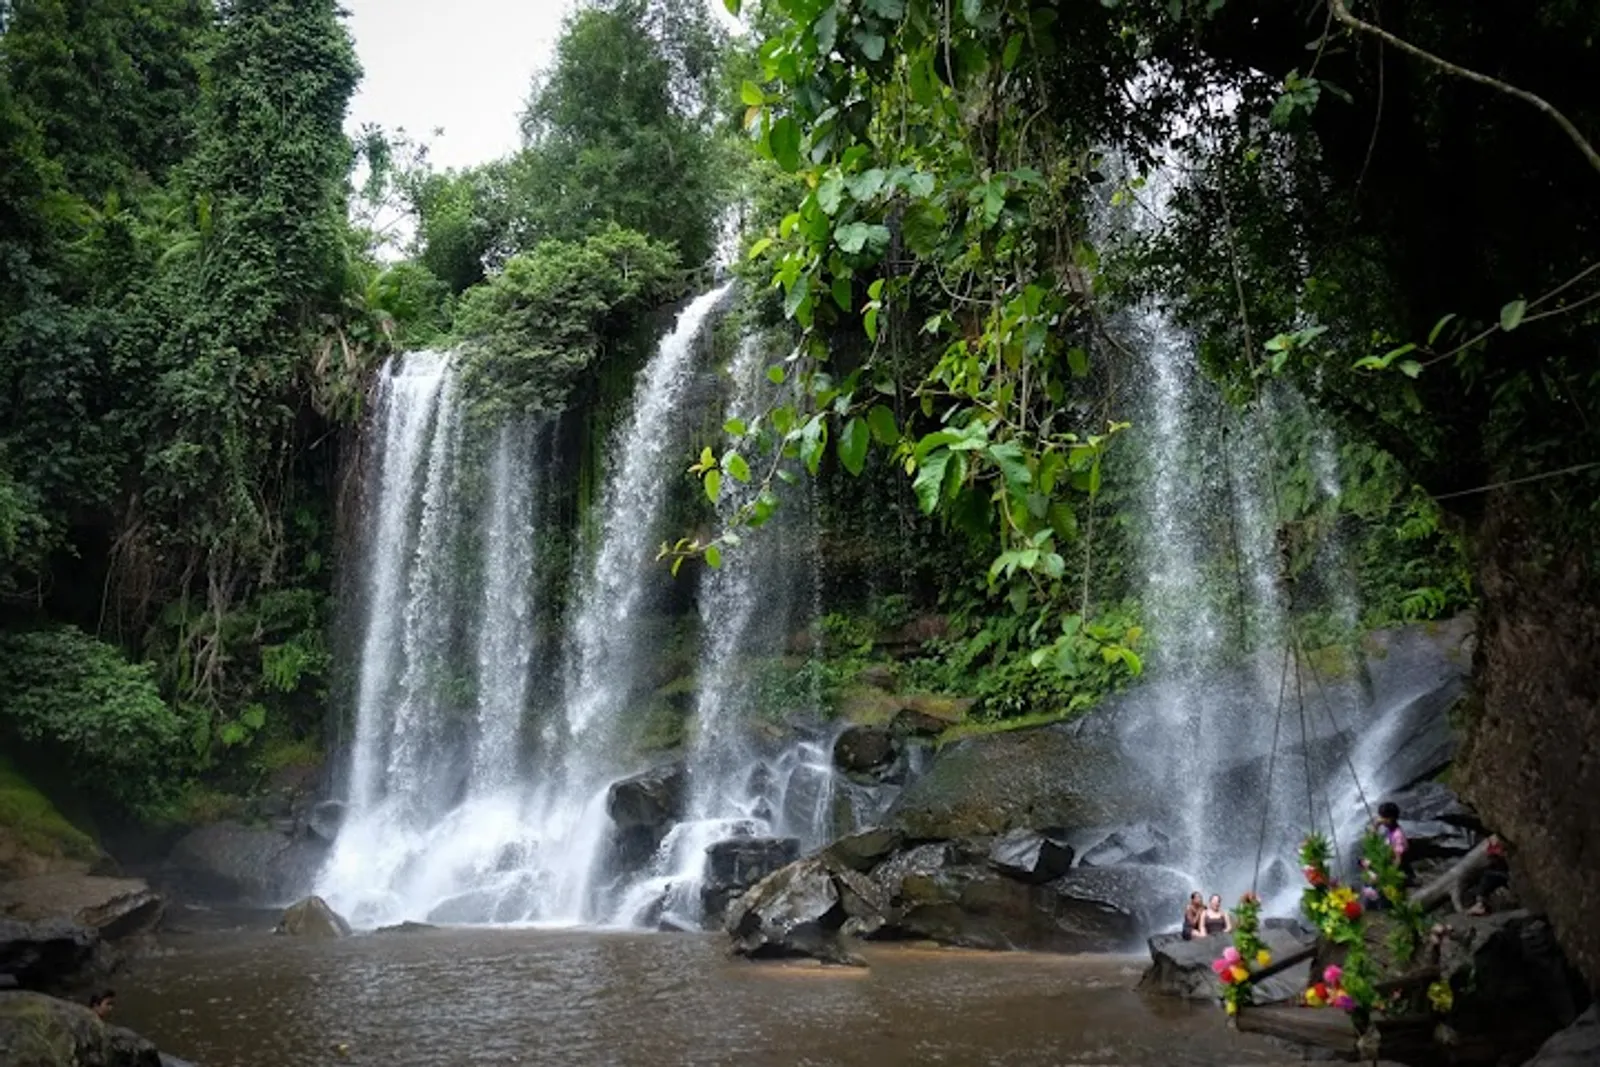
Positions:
(1532, 768)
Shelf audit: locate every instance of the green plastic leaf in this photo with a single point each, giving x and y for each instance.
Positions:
(713, 557)
(713, 485)
(853, 445)
(775, 375)
(880, 420)
(784, 142)
(751, 94)
(930, 480)
(734, 427)
(1511, 315)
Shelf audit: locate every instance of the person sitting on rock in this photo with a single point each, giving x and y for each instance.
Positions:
(1387, 824)
(1191, 915)
(1496, 875)
(1214, 921)
(102, 1002)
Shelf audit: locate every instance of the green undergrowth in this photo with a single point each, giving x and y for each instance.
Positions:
(28, 816)
(981, 728)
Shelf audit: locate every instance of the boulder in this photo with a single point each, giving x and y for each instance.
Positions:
(312, 918)
(1509, 981)
(1180, 968)
(1435, 801)
(734, 866)
(1064, 774)
(1423, 742)
(53, 956)
(41, 1031)
(324, 820)
(877, 676)
(1140, 843)
(1031, 855)
(1434, 839)
(796, 911)
(864, 849)
(1576, 1046)
(230, 862)
(652, 799)
(863, 749)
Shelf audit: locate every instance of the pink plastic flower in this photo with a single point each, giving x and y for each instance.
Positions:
(1344, 1002)
(1333, 974)
(1219, 965)
(1231, 954)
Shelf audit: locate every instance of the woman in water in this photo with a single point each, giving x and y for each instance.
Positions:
(1214, 921)
(1191, 915)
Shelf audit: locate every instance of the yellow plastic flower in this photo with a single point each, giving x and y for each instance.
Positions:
(1232, 1008)
(1263, 958)
(1239, 973)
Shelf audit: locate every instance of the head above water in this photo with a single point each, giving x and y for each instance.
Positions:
(1389, 811)
(102, 1002)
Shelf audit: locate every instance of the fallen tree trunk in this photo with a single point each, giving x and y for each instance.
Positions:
(1453, 883)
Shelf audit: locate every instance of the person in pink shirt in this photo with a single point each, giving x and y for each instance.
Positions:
(1387, 824)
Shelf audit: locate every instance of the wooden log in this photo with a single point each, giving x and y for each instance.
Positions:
(1453, 883)
(1283, 963)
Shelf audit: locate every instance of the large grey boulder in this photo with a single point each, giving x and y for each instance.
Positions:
(797, 911)
(734, 866)
(1034, 856)
(1180, 968)
(230, 862)
(116, 908)
(652, 799)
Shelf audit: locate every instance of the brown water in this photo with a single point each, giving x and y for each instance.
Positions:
(580, 998)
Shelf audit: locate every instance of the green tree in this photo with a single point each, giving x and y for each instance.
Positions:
(619, 129)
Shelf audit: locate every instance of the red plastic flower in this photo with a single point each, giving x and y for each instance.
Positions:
(1352, 910)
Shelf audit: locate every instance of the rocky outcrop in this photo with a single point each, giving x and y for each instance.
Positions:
(313, 919)
(230, 862)
(116, 908)
(1141, 842)
(41, 1031)
(734, 866)
(1530, 767)
(1180, 968)
(324, 820)
(1067, 774)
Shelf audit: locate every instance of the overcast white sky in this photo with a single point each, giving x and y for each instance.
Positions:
(464, 65)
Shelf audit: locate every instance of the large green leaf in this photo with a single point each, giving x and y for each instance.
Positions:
(929, 482)
(853, 445)
(880, 420)
(784, 142)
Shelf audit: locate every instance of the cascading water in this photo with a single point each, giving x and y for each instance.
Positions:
(457, 812)
(749, 606)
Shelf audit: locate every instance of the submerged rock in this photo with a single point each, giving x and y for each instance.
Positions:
(312, 918)
(41, 1031)
(1182, 968)
(1031, 855)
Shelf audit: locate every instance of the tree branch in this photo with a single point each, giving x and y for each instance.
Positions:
(1342, 13)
